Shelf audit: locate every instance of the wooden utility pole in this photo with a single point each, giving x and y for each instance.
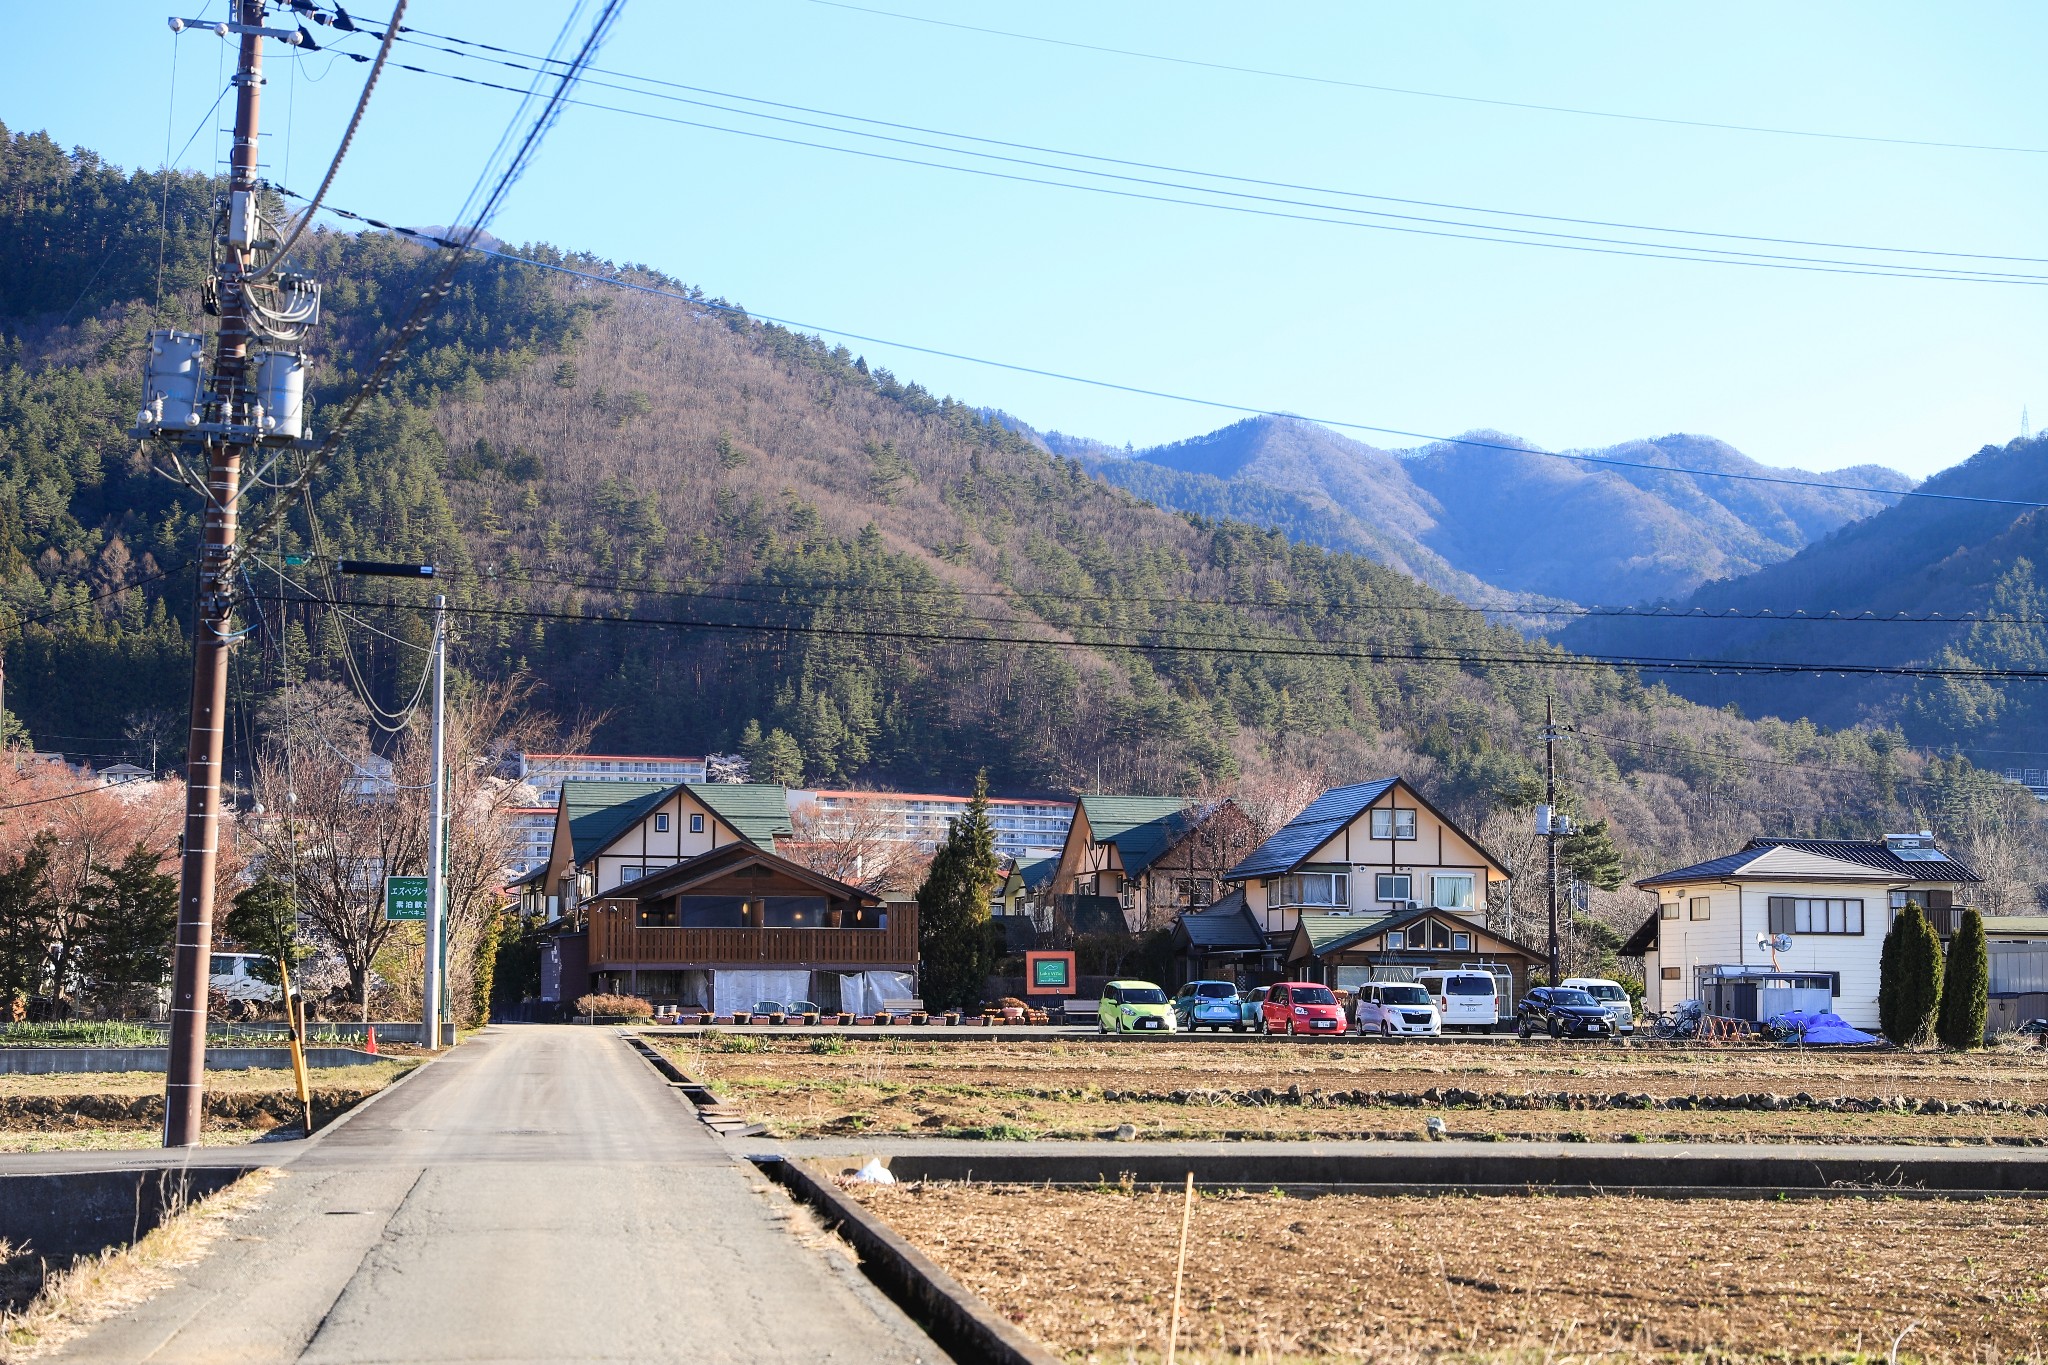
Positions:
(1550, 830)
(228, 399)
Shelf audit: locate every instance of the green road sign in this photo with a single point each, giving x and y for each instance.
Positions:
(294, 561)
(405, 898)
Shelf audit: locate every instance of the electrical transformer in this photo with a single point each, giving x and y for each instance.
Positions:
(171, 381)
(280, 387)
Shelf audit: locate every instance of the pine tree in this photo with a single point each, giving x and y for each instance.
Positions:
(131, 921)
(24, 903)
(1909, 983)
(265, 921)
(955, 937)
(1965, 986)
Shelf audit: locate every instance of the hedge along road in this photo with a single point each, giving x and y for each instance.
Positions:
(537, 1195)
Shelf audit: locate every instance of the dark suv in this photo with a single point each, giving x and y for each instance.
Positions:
(1563, 1012)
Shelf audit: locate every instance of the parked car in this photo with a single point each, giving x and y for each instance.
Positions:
(234, 976)
(1563, 1012)
(1208, 1004)
(1251, 1006)
(1300, 1007)
(1611, 996)
(1465, 1000)
(1396, 1008)
(1134, 1007)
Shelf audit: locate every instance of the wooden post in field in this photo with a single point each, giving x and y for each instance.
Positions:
(1180, 1268)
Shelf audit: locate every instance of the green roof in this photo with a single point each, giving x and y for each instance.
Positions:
(1141, 827)
(1329, 933)
(759, 811)
(599, 811)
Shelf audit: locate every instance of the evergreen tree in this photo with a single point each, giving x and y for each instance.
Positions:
(131, 921)
(24, 905)
(772, 757)
(956, 941)
(264, 920)
(1909, 984)
(1966, 986)
(1589, 854)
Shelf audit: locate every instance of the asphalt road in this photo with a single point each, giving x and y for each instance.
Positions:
(539, 1195)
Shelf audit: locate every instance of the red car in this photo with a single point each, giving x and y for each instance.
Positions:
(1300, 1007)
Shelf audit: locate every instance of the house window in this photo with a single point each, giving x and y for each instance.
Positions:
(696, 824)
(1667, 973)
(657, 915)
(630, 873)
(1311, 889)
(1194, 891)
(1395, 886)
(1390, 823)
(1461, 943)
(661, 824)
(1667, 910)
(1701, 907)
(1397, 939)
(1816, 915)
(1451, 890)
(1899, 899)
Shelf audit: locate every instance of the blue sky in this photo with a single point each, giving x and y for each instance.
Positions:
(1809, 370)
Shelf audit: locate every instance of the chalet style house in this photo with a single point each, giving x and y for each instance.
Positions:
(610, 833)
(1715, 934)
(732, 926)
(1131, 862)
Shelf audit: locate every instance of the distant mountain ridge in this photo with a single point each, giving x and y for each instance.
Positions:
(1490, 519)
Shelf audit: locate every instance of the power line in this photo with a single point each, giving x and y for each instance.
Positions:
(1414, 92)
(1151, 165)
(697, 301)
(1558, 660)
(1481, 232)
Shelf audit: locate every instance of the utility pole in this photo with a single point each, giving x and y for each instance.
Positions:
(1550, 823)
(437, 839)
(185, 1081)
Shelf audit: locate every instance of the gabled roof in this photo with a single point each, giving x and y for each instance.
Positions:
(1642, 940)
(721, 861)
(758, 811)
(1225, 927)
(1334, 933)
(1293, 842)
(1036, 874)
(600, 811)
(1141, 827)
(1853, 860)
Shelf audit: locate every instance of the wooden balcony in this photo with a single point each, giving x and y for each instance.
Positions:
(616, 941)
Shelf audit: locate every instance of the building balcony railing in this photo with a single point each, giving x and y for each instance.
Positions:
(616, 941)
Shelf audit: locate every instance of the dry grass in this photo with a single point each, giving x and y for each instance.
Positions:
(1085, 1088)
(108, 1110)
(1489, 1278)
(97, 1287)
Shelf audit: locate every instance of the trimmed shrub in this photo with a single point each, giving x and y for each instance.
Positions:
(1965, 986)
(615, 1006)
(1909, 982)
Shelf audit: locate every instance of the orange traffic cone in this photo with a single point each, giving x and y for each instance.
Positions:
(370, 1039)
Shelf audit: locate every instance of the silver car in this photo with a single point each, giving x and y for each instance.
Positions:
(1610, 996)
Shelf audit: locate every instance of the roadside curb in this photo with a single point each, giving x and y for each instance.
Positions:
(959, 1320)
(720, 1118)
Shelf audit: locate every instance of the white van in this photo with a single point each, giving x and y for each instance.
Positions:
(231, 974)
(1611, 997)
(1466, 999)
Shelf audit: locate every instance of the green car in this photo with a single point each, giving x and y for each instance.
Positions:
(1134, 1007)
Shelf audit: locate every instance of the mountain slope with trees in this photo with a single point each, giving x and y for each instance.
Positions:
(1465, 516)
(885, 586)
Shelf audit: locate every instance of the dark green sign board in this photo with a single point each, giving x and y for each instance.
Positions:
(405, 898)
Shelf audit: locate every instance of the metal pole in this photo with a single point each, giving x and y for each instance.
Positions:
(184, 1082)
(1550, 835)
(437, 838)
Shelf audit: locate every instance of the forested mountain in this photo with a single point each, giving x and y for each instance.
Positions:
(1469, 518)
(781, 538)
(1924, 558)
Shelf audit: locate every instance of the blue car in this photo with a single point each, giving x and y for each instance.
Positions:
(1208, 1004)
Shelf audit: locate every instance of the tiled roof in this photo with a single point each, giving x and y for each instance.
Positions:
(600, 810)
(1037, 873)
(2015, 926)
(1331, 933)
(1226, 926)
(1141, 827)
(1815, 860)
(759, 811)
(1305, 833)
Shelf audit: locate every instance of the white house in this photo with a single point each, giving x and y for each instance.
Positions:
(1715, 931)
(1368, 849)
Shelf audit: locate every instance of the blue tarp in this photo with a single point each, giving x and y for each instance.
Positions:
(1817, 1030)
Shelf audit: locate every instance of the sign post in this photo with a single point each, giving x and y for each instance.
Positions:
(405, 898)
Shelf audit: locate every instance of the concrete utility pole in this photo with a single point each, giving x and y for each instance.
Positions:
(184, 1084)
(437, 839)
